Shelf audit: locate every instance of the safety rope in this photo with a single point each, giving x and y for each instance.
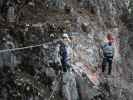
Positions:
(27, 47)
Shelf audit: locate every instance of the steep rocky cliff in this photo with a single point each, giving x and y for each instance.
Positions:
(34, 28)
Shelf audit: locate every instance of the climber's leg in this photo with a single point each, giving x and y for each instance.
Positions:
(66, 66)
(110, 66)
(104, 64)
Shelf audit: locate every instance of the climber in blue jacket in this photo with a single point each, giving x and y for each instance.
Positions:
(65, 53)
(108, 54)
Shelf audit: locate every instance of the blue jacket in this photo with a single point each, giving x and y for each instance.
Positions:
(108, 50)
(63, 53)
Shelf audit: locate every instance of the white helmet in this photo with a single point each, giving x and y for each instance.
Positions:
(65, 35)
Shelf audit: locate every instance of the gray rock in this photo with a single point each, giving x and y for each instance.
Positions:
(8, 58)
(85, 89)
(50, 73)
(56, 4)
(11, 14)
(69, 87)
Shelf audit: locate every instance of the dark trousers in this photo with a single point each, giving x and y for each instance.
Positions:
(107, 60)
(66, 66)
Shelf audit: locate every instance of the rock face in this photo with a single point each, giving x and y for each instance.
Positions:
(56, 4)
(35, 71)
(69, 88)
